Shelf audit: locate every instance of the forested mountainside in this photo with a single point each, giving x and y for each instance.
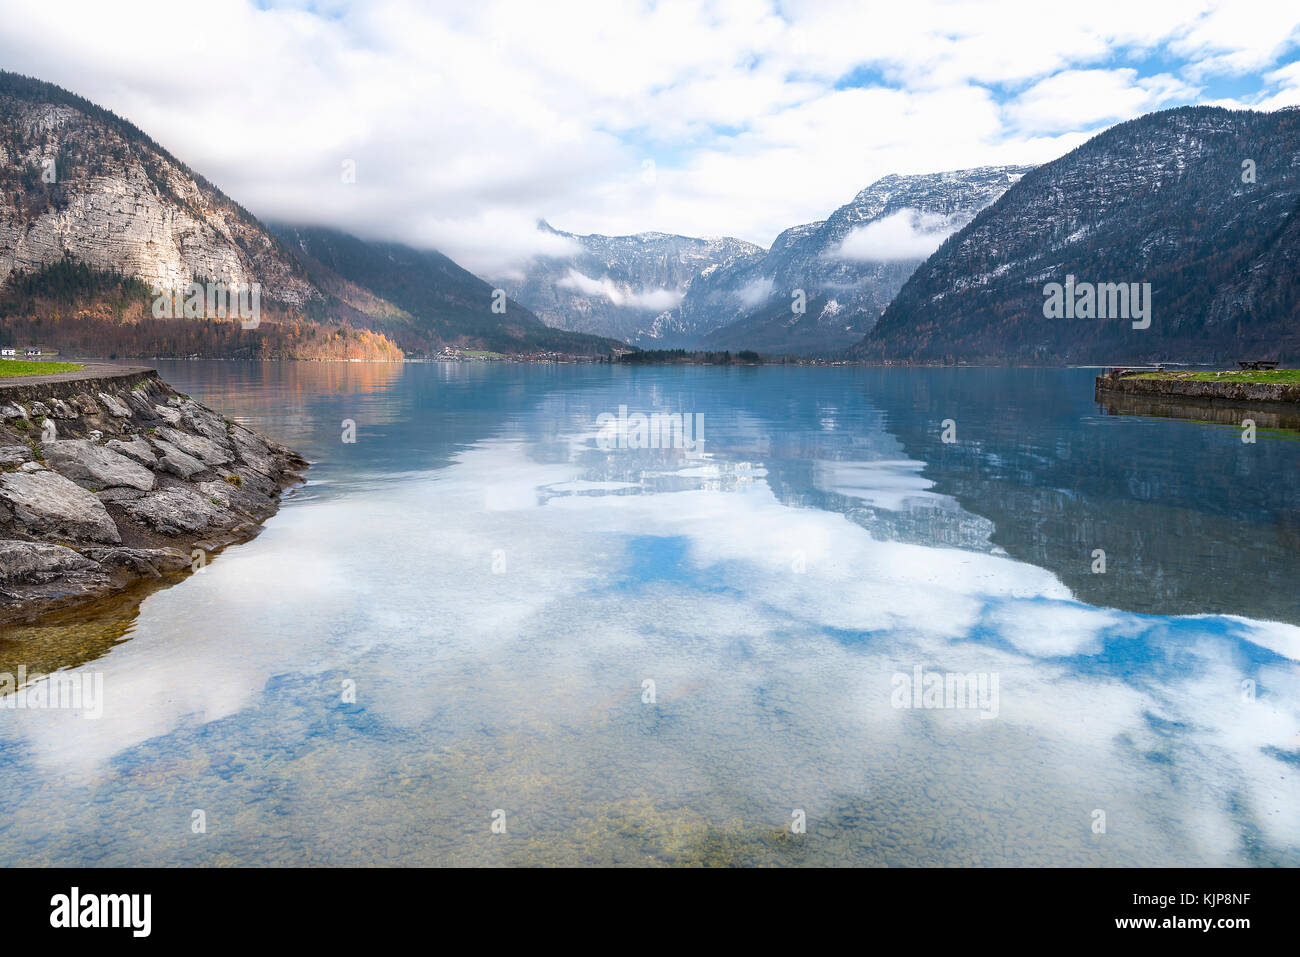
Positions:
(91, 205)
(1201, 203)
(423, 300)
(78, 310)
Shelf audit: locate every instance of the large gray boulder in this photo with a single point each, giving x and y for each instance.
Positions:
(167, 414)
(242, 496)
(252, 450)
(114, 406)
(137, 449)
(173, 460)
(13, 455)
(145, 562)
(176, 510)
(95, 466)
(207, 423)
(38, 562)
(47, 504)
(138, 399)
(205, 450)
(85, 404)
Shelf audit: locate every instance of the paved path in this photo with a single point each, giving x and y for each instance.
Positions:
(93, 370)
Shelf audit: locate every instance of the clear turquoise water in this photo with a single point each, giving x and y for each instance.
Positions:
(498, 588)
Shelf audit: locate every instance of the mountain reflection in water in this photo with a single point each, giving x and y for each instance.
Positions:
(499, 589)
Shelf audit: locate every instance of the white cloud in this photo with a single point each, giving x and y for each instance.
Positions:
(469, 123)
(590, 287)
(1286, 92)
(1084, 98)
(656, 299)
(493, 243)
(757, 292)
(1053, 629)
(907, 234)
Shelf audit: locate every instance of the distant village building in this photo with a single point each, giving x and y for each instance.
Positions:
(8, 353)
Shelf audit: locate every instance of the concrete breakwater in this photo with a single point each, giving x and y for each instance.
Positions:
(108, 476)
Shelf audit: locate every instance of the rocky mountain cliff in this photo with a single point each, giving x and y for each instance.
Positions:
(81, 187)
(1199, 202)
(849, 265)
(659, 291)
(624, 286)
(78, 180)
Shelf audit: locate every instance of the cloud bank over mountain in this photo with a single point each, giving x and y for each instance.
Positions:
(907, 234)
(459, 128)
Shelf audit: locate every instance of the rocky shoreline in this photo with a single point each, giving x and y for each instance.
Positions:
(108, 477)
(1201, 391)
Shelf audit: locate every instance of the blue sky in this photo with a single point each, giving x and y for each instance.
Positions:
(469, 122)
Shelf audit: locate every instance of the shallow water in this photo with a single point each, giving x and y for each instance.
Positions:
(499, 589)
